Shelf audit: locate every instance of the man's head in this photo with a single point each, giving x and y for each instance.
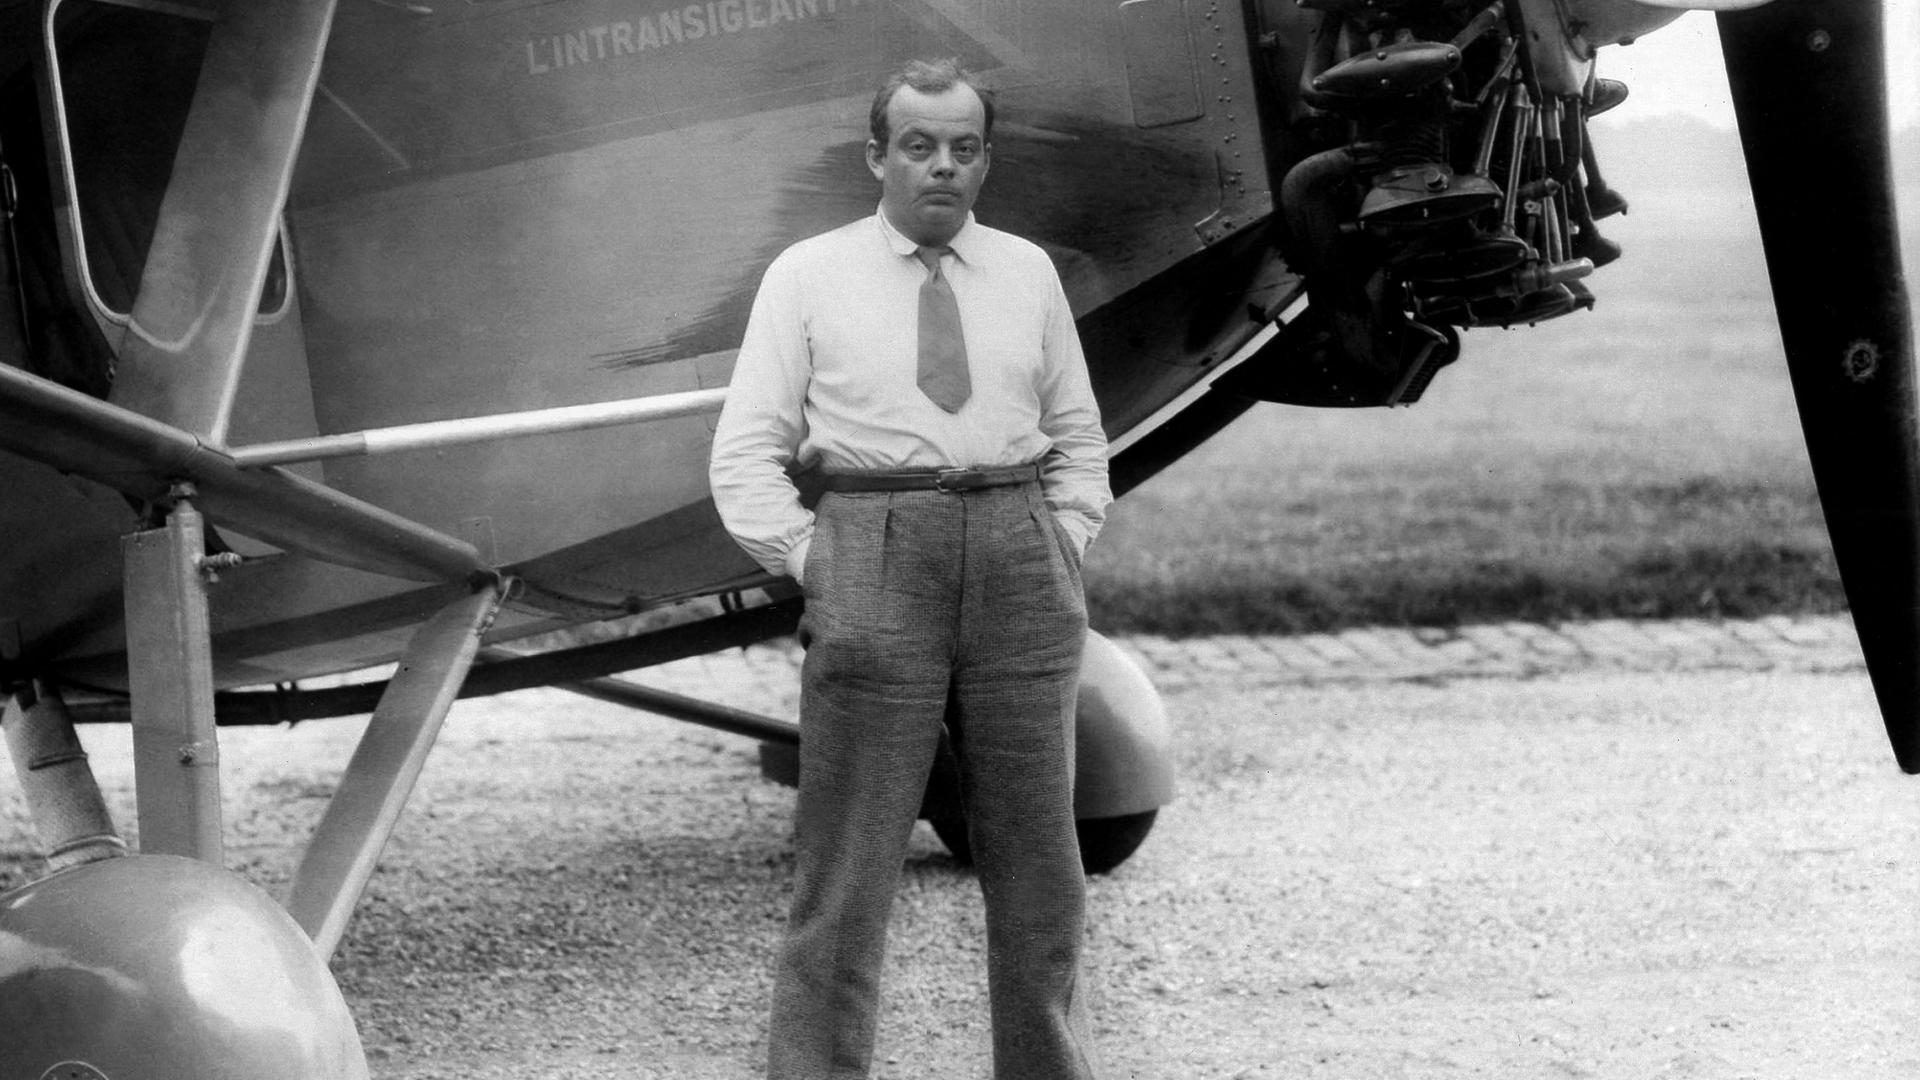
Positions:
(930, 131)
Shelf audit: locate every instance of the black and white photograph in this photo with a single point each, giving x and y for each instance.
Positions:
(959, 539)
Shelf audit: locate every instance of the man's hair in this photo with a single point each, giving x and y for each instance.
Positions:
(927, 77)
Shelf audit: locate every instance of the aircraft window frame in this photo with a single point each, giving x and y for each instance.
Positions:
(281, 290)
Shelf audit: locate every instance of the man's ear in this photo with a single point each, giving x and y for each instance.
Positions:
(876, 160)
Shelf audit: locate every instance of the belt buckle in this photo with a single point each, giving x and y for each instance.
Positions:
(940, 479)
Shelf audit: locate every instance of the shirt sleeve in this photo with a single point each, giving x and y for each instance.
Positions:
(761, 427)
(1074, 472)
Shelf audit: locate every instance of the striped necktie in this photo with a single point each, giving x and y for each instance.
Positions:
(943, 349)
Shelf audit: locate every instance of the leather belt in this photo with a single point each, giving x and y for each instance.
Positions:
(933, 479)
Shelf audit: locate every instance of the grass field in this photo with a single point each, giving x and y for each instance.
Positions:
(1642, 459)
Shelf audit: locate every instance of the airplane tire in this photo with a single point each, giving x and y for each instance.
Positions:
(1105, 843)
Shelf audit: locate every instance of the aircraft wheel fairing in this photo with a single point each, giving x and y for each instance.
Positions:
(164, 968)
(1123, 745)
(1105, 843)
(1123, 767)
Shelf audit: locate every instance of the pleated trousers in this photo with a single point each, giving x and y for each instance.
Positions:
(924, 609)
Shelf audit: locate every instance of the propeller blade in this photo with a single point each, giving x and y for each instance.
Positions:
(1809, 85)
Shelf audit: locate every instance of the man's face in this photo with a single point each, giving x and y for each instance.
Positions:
(931, 169)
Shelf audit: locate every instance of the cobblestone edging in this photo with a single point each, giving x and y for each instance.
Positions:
(1514, 649)
(1494, 650)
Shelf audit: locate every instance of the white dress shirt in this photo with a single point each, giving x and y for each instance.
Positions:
(826, 377)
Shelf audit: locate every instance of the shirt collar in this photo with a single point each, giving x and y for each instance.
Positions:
(962, 242)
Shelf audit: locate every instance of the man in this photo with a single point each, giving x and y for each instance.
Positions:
(928, 368)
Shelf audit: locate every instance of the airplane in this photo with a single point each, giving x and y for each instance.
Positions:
(346, 333)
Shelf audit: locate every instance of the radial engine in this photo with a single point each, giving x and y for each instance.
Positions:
(1454, 185)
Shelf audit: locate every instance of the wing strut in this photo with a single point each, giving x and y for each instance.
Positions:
(1809, 85)
(379, 778)
(176, 753)
(213, 241)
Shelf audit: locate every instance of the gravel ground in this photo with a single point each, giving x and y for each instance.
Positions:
(1701, 873)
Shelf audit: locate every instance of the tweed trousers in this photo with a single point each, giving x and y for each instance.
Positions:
(924, 609)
